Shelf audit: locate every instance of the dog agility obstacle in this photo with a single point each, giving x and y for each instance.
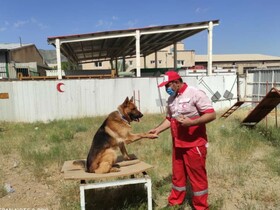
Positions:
(75, 172)
(263, 108)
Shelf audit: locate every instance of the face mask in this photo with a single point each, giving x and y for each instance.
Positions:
(170, 91)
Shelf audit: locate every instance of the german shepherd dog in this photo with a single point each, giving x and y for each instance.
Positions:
(113, 133)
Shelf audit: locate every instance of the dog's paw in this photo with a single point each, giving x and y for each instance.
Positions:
(152, 136)
(126, 158)
(115, 169)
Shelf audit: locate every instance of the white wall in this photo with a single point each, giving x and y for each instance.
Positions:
(31, 101)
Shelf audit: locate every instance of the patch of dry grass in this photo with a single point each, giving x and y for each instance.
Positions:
(243, 164)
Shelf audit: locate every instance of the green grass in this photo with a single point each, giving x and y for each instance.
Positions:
(237, 158)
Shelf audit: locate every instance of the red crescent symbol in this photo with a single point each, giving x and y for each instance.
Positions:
(58, 87)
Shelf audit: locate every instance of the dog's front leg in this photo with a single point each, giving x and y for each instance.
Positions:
(135, 137)
(124, 151)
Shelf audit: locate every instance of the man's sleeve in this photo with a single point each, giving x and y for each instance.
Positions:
(203, 103)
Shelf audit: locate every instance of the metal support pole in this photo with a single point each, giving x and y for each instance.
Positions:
(58, 57)
(156, 59)
(276, 119)
(116, 66)
(138, 62)
(7, 65)
(238, 86)
(123, 64)
(175, 56)
(210, 40)
(82, 197)
(149, 194)
(145, 62)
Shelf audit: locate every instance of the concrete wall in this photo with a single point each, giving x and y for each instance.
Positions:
(26, 54)
(31, 101)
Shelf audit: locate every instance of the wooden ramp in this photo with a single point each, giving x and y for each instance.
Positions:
(266, 105)
(232, 109)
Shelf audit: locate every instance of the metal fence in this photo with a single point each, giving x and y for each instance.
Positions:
(260, 81)
(3, 72)
(46, 100)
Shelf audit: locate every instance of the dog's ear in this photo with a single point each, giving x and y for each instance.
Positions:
(131, 99)
(126, 101)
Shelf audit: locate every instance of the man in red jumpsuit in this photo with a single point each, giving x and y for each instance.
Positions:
(188, 110)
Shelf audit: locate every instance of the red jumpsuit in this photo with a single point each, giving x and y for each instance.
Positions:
(189, 146)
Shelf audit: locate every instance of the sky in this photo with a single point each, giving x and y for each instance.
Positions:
(246, 26)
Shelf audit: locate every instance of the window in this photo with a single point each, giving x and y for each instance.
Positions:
(130, 63)
(248, 68)
(159, 61)
(181, 62)
(245, 69)
(152, 61)
(273, 67)
(23, 71)
(98, 64)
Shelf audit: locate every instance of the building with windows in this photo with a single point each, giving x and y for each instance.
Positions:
(187, 59)
(165, 59)
(20, 58)
(239, 62)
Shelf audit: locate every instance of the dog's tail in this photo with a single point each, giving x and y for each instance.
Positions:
(126, 163)
(81, 163)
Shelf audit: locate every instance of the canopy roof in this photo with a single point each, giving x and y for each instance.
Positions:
(109, 45)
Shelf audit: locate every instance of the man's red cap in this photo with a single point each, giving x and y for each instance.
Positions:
(169, 76)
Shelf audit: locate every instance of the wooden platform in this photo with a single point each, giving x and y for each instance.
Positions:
(75, 172)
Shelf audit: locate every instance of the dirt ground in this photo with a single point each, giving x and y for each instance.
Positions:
(28, 192)
(31, 194)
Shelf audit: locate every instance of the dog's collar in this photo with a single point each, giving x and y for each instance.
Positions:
(123, 117)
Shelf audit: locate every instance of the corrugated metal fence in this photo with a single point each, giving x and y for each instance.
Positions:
(31, 101)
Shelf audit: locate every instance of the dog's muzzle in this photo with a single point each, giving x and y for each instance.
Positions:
(136, 117)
